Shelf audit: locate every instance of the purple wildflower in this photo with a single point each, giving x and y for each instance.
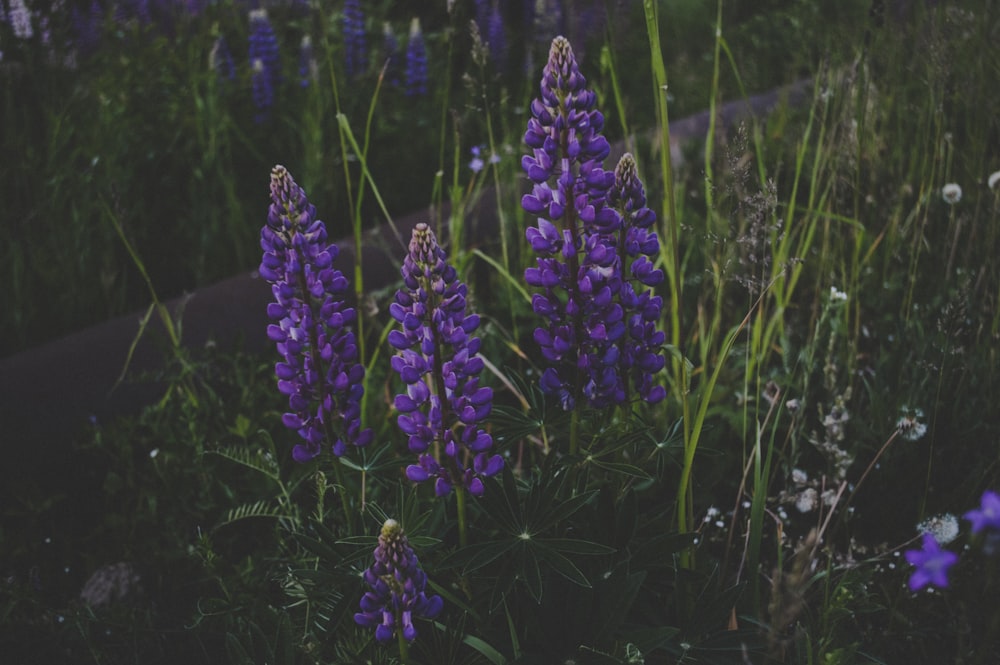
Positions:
(87, 26)
(20, 20)
(932, 564)
(391, 55)
(416, 62)
(355, 47)
(439, 363)
(397, 588)
(221, 60)
(307, 62)
(638, 246)
(578, 268)
(264, 62)
(320, 372)
(987, 516)
(496, 38)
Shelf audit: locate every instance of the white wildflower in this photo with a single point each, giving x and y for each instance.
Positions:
(951, 193)
(909, 425)
(836, 295)
(944, 528)
(807, 500)
(993, 180)
(799, 477)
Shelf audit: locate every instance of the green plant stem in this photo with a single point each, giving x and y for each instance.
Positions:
(574, 432)
(463, 536)
(342, 491)
(404, 648)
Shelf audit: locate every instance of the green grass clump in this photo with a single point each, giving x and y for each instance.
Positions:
(832, 320)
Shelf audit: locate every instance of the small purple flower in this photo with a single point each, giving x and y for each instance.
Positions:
(932, 564)
(439, 362)
(987, 516)
(264, 63)
(416, 62)
(398, 586)
(320, 372)
(477, 163)
(355, 43)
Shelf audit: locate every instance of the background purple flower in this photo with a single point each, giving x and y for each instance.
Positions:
(987, 516)
(221, 60)
(438, 360)
(355, 42)
(319, 372)
(264, 62)
(416, 62)
(397, 586)
(932, 564)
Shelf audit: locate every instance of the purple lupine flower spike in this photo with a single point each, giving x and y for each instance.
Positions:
(320, 372)
(438, 360)
(416, 62)
(391, 55)
(220, 60)
(638, 247)
(398, 586)
(264, 62)
(307, 62)
(578, 268)
(355, 43)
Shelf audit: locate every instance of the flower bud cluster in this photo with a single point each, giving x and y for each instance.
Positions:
(320, 372)
(439, 362)
(595, 330)
(397, 588)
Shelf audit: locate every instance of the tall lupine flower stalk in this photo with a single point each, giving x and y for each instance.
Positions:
(416, 62)
(638, 245)
(578, 268)
(438, 360)
(355, 44)
(220, 60)
(319, 371)
(307, 62)
(264, 62)
(391, 55)
(397, 592)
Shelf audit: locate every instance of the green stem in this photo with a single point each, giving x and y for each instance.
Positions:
(404, 647)
(463, 536)
(574, 432)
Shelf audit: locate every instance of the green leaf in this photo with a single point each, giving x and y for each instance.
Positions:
(576, 546)
(532, 575)
(624, 469)
(474, 557)
(561, 565)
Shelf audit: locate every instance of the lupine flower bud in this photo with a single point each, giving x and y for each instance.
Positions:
(320, 372)
(355, 46)
(438, 361)
(416, 62)
(264, 62)
(397, 588)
